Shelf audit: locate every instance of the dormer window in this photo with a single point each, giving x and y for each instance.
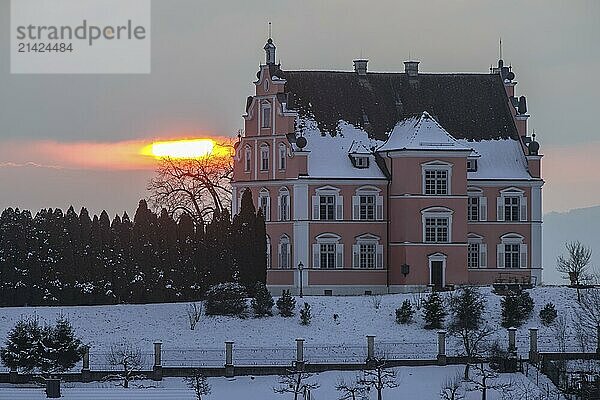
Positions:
(360, 161)
(471, 165)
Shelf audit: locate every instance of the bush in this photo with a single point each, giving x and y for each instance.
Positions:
(286, 304)
(405, 313)
(548, 314)
(262, 303)
(434, 312)
(305, 315)
(30, 347)
(517, 307)
(226, 299)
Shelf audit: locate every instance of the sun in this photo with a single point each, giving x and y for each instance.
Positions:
(188, 148)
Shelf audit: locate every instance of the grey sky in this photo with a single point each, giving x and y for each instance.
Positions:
(206, 54)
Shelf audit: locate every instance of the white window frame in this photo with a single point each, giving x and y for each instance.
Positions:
(264, 194)
(511, 239)
(284, 252)
(338, 204)
(473, 238)
(283, 209)
(511, 192)
(437, 257)
(437, 166)
(265, 108)
(361, 161)
(436, 212)
(264, 157)
(282, 160)
(247, 158)
(481, 204)
(377, 204)
(328, 239)
(367, 239)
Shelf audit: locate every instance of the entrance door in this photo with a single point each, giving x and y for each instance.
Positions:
(437, 274)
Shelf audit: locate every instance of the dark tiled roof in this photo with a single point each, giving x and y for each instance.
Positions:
(468, 106)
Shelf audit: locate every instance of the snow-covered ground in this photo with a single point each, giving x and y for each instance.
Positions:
(421, 383)
(100, 326)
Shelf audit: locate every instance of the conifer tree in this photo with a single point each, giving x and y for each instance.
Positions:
(434, 312)
(286, 304)
(262, 302)
(22, 347)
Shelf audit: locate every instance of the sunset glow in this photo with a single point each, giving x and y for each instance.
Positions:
(192, 148)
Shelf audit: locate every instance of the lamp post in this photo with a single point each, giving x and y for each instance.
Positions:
(300, 268)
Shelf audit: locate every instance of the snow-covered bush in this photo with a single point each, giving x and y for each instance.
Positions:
(286, 304)
(262, 302)
(305, 315)
(434, 311)
(517, 307)
(226, 299)
(404, 314)
(129, 359)
(548, 314)
(199, 384)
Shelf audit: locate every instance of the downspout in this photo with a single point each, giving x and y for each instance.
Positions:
(388, 249)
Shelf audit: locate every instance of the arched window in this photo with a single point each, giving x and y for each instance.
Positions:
(328, 252)
(437, 224)
(367, 253)
(282, 156)
(265, 113)
(512, 252)
(264, 203)
(269, 252)
(247, 158)
(436, 178)
(367, 205)
(512, 205)
(284, 252)
(264, 157)
(283, 204)
(328, 204)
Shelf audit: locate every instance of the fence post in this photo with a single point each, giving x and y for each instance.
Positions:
(300, 354)
(86, 375)
(533, 345)
(370, 347)
(229, 373)
(157, 369)
(512, 340)
(441, 356)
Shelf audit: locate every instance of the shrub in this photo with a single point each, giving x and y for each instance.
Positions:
(286, 304)
(548, 314)
(517, 306)
(405, 313)
(434, 312)
(305, 315)
(466, 308)
(226, 299)
(262, 303)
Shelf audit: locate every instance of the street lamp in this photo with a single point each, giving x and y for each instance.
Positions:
(300, 268)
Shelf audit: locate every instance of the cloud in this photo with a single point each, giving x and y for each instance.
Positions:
(28, 164)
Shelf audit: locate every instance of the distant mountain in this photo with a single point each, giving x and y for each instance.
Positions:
(581, 224)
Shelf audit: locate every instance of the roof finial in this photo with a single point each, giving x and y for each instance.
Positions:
(270, 32)
(501, 47)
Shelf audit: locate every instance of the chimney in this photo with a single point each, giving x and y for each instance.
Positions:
(360, 67)
(411, 68)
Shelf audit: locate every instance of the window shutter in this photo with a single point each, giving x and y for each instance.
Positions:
(355, 208)
(523, 209)
(523, 250)
(339, 205)
(500, 206)
(279, 214)
(316, 255)
(339, 255)
(355, 255)
(379, 209)
(379, 260)
(483, 208)
(500, 262)
(315, 204)
(482, 255)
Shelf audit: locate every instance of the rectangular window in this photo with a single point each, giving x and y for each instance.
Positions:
(266, 117)
(511, 255)
(473, 255)
(327, 208)
(436, 182)
(511, 208)
(473, 208)
(367, 207)
(471, 165)
(327, 254)
(264, 158)
(284, 200)
(282, 153)
(436, 230)
(367, 255)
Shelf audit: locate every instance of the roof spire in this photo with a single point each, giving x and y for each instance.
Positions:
(269, 49)
(270, 33)
(500, 48)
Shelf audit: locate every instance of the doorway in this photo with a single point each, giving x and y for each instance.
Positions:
(437, 274)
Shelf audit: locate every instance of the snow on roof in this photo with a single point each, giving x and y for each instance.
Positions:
(421, 133)
(500, 159)
(357, 147)
(328, 157)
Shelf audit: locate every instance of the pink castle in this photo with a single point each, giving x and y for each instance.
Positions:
(391, 182)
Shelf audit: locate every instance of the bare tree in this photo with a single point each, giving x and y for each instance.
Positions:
(560, 333)
(588, 316)
(194, 313)
(376, 301)
(196, 186)
(452, 389)
(199, 384)
(484, 379)
(352, 391)
(378, 376)
(576, 264)
(296, 382)
(129, 359)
